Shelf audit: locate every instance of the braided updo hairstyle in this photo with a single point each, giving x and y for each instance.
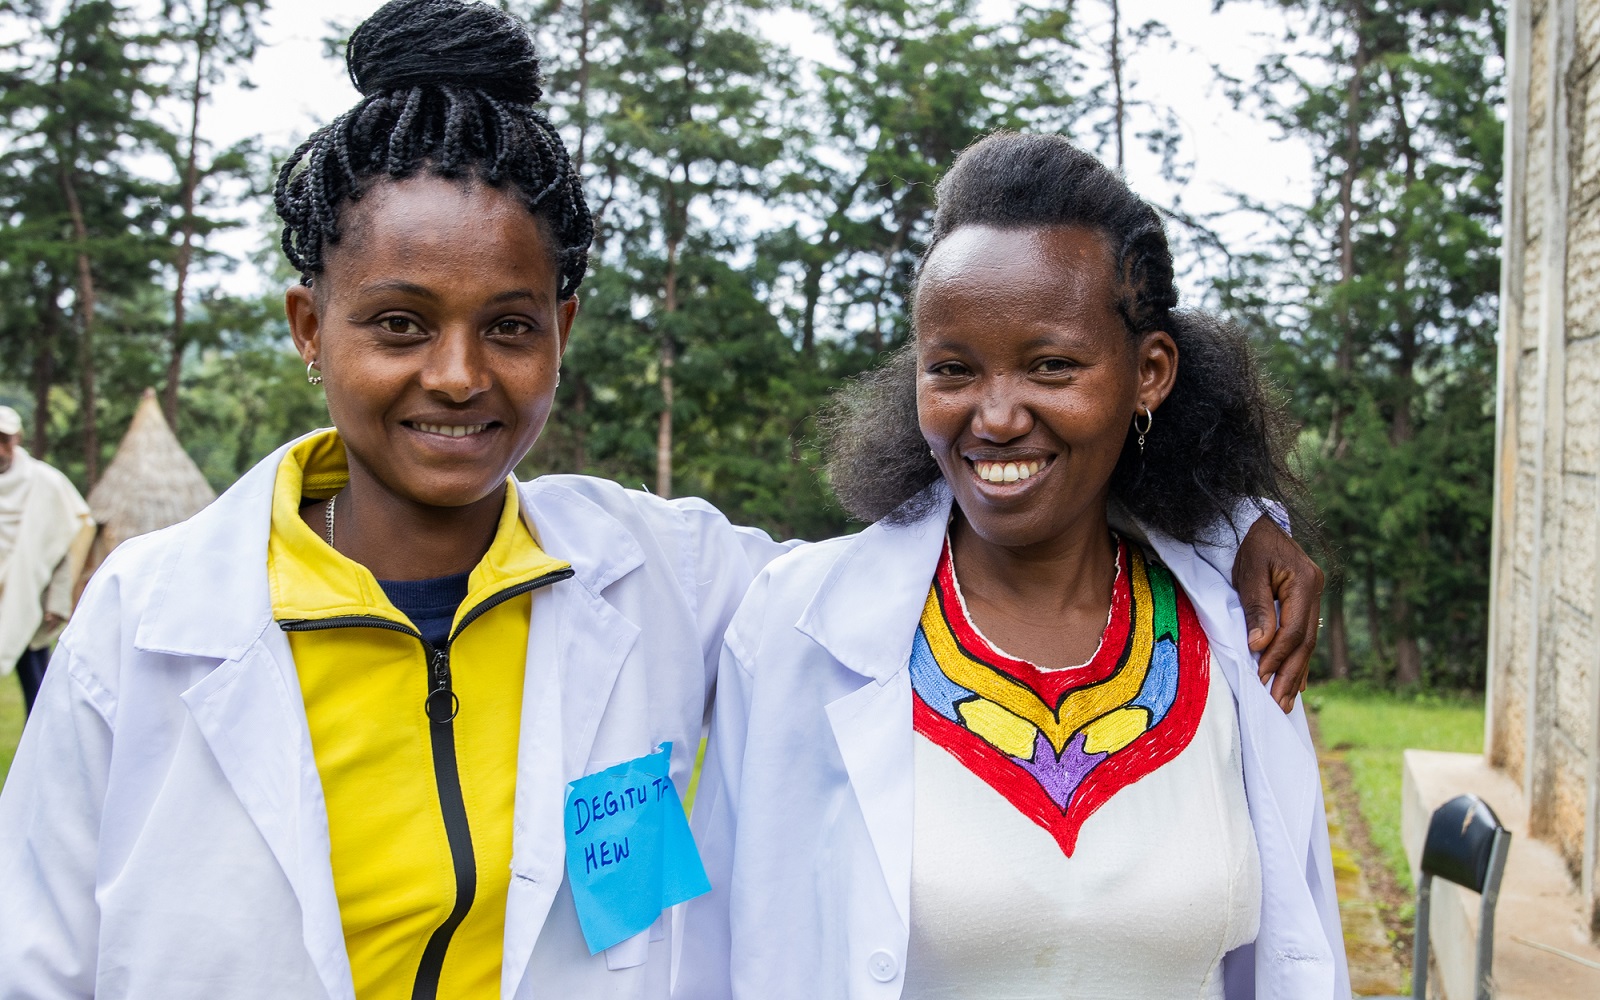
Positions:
(449, 86)
(1219, 438)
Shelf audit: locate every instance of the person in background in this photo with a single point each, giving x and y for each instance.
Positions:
(45, 533)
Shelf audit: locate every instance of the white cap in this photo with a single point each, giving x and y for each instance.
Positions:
(10, 421)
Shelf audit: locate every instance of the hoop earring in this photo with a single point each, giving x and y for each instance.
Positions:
(1149, 421)
(313, 379)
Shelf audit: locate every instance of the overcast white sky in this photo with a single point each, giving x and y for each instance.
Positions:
(297, 88)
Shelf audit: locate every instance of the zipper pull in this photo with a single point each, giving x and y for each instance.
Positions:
(442, 703)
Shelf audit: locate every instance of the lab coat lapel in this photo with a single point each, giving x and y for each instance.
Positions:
(577, 644)
(866, 620)
(211, 601)
(1292, 955)
(250, 713)
(872, 726)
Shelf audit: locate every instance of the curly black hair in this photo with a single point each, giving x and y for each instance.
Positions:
(450, 87)
(1220, 437)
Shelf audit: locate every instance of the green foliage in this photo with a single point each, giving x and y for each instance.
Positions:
(11, 720)
(88, 233)
(1383, 313)
(760, 214)
(1371, 727)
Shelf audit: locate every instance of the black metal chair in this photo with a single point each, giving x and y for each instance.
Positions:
(1466, 845)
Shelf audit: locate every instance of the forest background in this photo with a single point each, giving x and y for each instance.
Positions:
(760, 212)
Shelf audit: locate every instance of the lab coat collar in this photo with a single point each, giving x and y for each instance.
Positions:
(210, 596)
(575, 529)
(212, 600)
(866, 610)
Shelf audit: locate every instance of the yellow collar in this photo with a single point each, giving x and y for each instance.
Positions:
(311, 580)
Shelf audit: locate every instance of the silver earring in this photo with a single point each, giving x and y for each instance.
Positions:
(313, 379)
(1149, 421)
(558, 378)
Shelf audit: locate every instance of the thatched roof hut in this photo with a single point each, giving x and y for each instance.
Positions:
(151, 483)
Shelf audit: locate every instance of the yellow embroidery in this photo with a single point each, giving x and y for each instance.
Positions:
(1080, 706)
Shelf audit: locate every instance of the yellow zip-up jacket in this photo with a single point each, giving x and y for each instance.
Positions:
(416, 747)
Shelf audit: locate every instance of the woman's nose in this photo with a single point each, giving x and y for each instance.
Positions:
(455, 367)
(1001, 415)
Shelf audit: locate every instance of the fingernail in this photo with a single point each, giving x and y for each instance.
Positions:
(1255, 635)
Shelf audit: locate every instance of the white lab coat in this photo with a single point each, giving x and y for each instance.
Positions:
(163, 833)
(811, 865)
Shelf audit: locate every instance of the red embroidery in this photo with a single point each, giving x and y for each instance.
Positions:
(1095, 729)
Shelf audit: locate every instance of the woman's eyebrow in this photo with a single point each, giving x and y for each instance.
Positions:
(516, 294)
(401, 286)
(423, 292)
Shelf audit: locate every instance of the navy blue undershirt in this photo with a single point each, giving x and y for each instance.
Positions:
(430, 604)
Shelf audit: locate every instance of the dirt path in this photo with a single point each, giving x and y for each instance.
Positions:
(1372, 906)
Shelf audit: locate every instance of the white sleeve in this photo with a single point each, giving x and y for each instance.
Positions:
(725, 559)
(1219, 545)
(50, 813)
(702, 968)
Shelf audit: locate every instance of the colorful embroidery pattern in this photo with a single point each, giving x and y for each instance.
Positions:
(1059, 743)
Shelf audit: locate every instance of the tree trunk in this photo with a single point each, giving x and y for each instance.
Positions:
(1380, 658)
(895, 246)
(1344, 362)
(669, 289)
(44, 371)
(1335, 631)
(86, 306)
(191, 178)
(812, 290)
(1116, 76)
(1407, 654)
(581, 109)
(580, 425)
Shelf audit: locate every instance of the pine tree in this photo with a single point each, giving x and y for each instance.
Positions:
(214, 39)
(1397, 258)
(78, 226)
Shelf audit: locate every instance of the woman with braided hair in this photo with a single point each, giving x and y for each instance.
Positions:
(328, 737)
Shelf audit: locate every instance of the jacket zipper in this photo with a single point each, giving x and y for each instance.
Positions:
(441, 705)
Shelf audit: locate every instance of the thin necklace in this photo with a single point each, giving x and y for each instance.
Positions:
(329, 518)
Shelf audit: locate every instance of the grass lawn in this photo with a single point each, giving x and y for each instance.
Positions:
(10, 722)
(1371, 727)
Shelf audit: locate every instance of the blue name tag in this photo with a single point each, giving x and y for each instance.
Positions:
(629, 851)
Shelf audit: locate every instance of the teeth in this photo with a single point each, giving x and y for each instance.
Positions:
(1006, 472)
(452, 430)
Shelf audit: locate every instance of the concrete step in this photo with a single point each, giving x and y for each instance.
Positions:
(1542, 946)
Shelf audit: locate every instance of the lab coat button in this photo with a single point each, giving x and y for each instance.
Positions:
(883, 966)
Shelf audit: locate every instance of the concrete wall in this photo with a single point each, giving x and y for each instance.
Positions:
(1544, 665)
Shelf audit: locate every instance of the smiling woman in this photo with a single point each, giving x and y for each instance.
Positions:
(316, 741)
(1049, 769)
